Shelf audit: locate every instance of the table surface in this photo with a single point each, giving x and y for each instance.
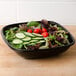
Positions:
(12, 64)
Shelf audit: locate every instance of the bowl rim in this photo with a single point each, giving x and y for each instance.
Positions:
(3, 36)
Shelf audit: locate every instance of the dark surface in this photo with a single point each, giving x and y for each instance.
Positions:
(42, 52)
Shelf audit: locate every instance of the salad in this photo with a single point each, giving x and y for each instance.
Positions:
(37, 35)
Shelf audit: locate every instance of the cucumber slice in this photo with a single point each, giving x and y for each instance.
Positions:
(37, 38)
(26, 39)
(33, 41)
(25, 43)
(20, 35)
(41, 41)
(17, 41)
(37, 34)
(32, 44)
(29, 34)
(17, 46)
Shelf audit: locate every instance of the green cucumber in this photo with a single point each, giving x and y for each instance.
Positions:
(27, 39)
(29, 34)
(25, 43)
(32, 44)
(20, 35)
(17, 46)
(37, 38)
(33, 41)
(17, 41)
(41, 41)
(37, 35)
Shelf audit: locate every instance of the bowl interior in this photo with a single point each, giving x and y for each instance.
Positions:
(71, 39)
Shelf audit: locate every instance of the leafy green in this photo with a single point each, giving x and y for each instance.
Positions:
(52, 37)
(46, 44)
(33, 23)
(10, 35)
(50, 25)
(15, 28)
(59, 43)
(59, 28)
(66, 36)
(39, 26)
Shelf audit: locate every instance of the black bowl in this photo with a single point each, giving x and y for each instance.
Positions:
(40, 53)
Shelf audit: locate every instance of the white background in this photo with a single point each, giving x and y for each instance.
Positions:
(61, 11)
